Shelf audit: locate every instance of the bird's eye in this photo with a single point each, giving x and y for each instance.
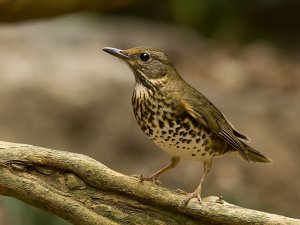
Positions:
(144, 57)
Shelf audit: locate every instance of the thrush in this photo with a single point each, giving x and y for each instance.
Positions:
(177, 118)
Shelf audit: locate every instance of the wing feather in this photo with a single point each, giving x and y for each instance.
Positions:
(207, 114)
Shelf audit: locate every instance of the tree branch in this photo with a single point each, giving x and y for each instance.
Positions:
(86, 192)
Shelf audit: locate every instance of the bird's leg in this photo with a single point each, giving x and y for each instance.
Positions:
(197, 192)
(154, 177)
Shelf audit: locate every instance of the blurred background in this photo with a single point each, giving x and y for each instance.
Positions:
(59, 90)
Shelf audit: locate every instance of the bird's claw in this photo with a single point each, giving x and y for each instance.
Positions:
(179, 191)
(151, 179)
(189, 197)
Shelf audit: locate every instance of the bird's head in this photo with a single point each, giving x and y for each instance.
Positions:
(149, 65)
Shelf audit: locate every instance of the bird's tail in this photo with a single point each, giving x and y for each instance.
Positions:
(252, 155)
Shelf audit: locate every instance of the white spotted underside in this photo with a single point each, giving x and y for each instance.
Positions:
(176, 137)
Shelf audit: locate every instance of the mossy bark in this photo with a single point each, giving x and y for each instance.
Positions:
(86, 192)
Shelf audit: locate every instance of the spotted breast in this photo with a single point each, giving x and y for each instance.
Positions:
(172, 129)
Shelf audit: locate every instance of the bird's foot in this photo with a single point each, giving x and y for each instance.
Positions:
(152, 179)
(179, 191)
(195, 194)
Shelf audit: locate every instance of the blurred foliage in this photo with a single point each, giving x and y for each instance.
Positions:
(223, 20)
(15, 11)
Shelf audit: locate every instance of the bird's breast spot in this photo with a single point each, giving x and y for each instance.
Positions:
(195, 152)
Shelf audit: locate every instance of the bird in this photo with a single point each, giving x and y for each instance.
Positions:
(178, 118)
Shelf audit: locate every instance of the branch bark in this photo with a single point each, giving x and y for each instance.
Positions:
(86, 192)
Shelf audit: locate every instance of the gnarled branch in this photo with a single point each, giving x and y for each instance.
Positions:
(86, 192)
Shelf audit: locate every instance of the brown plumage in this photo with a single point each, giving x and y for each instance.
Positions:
(178, 118)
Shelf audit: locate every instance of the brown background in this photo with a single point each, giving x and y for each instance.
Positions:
(59, 90)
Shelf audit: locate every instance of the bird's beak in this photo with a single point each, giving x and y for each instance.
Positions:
(116, 52)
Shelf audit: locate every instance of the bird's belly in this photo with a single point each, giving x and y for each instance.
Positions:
(178, 142)
(179, 136)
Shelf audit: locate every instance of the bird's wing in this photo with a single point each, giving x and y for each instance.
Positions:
(201, 109)
(236, 132)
